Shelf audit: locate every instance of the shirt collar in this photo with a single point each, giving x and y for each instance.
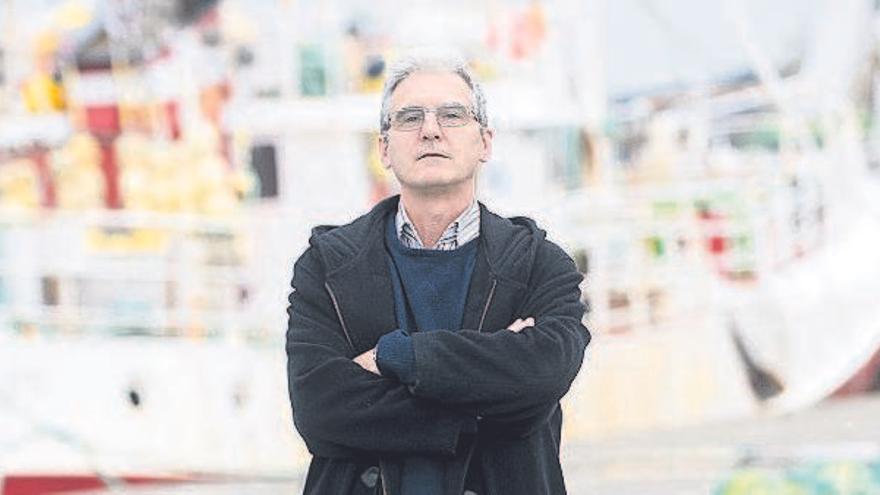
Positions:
(460, 231)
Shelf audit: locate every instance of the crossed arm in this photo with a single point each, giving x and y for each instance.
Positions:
(368, 360)
(512, 378)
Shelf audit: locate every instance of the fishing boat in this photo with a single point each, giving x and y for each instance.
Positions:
(728, 250)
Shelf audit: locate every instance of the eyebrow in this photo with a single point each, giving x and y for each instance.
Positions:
(446, 104)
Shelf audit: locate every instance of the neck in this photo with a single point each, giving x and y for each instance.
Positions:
(432, 214)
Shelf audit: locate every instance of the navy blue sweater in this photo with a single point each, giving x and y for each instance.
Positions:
(430, 287)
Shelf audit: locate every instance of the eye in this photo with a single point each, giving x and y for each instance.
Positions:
(453, 113)
(408, 116)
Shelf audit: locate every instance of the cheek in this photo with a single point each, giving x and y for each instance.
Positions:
(400, 152)
(474, 147)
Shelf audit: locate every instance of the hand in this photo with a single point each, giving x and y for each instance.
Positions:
(519, 324)
(367, 361)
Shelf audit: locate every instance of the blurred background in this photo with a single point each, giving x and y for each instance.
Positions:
(713, 168)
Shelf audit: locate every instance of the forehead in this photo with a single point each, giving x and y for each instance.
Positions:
(431, 88)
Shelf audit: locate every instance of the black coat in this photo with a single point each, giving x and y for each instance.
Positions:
(504, 385)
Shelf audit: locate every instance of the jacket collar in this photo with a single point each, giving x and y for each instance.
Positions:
(508, 245)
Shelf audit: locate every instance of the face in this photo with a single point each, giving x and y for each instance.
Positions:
(433, 158)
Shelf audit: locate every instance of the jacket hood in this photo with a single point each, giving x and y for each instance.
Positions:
(509, 244)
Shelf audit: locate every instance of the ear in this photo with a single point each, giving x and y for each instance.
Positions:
(487, 135)
(383, 151)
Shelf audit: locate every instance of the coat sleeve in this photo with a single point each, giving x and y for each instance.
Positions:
(507, 376)
(339, 408)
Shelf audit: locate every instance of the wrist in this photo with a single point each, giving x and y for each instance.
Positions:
(395, 356)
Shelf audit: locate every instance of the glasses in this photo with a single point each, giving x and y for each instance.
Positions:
(412, 118)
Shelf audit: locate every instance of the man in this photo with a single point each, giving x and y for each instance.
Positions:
(430, 340)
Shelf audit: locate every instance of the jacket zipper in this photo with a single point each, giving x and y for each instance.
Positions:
(339, 315)
(382, 479)
(480, 329)
(488, 302)
(351, 344)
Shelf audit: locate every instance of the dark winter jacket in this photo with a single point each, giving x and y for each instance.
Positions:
(504, 385)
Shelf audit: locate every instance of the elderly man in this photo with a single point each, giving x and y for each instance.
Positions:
(430, 340)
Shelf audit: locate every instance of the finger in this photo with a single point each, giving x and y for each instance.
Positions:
(359, 361)
(519, 324)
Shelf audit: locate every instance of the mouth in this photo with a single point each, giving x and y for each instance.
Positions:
(432, 155)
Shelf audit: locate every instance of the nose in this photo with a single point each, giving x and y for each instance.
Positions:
(430, 130)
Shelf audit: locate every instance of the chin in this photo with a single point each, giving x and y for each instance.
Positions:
(437, 183)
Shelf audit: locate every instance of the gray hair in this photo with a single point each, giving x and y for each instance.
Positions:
(411, 64)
